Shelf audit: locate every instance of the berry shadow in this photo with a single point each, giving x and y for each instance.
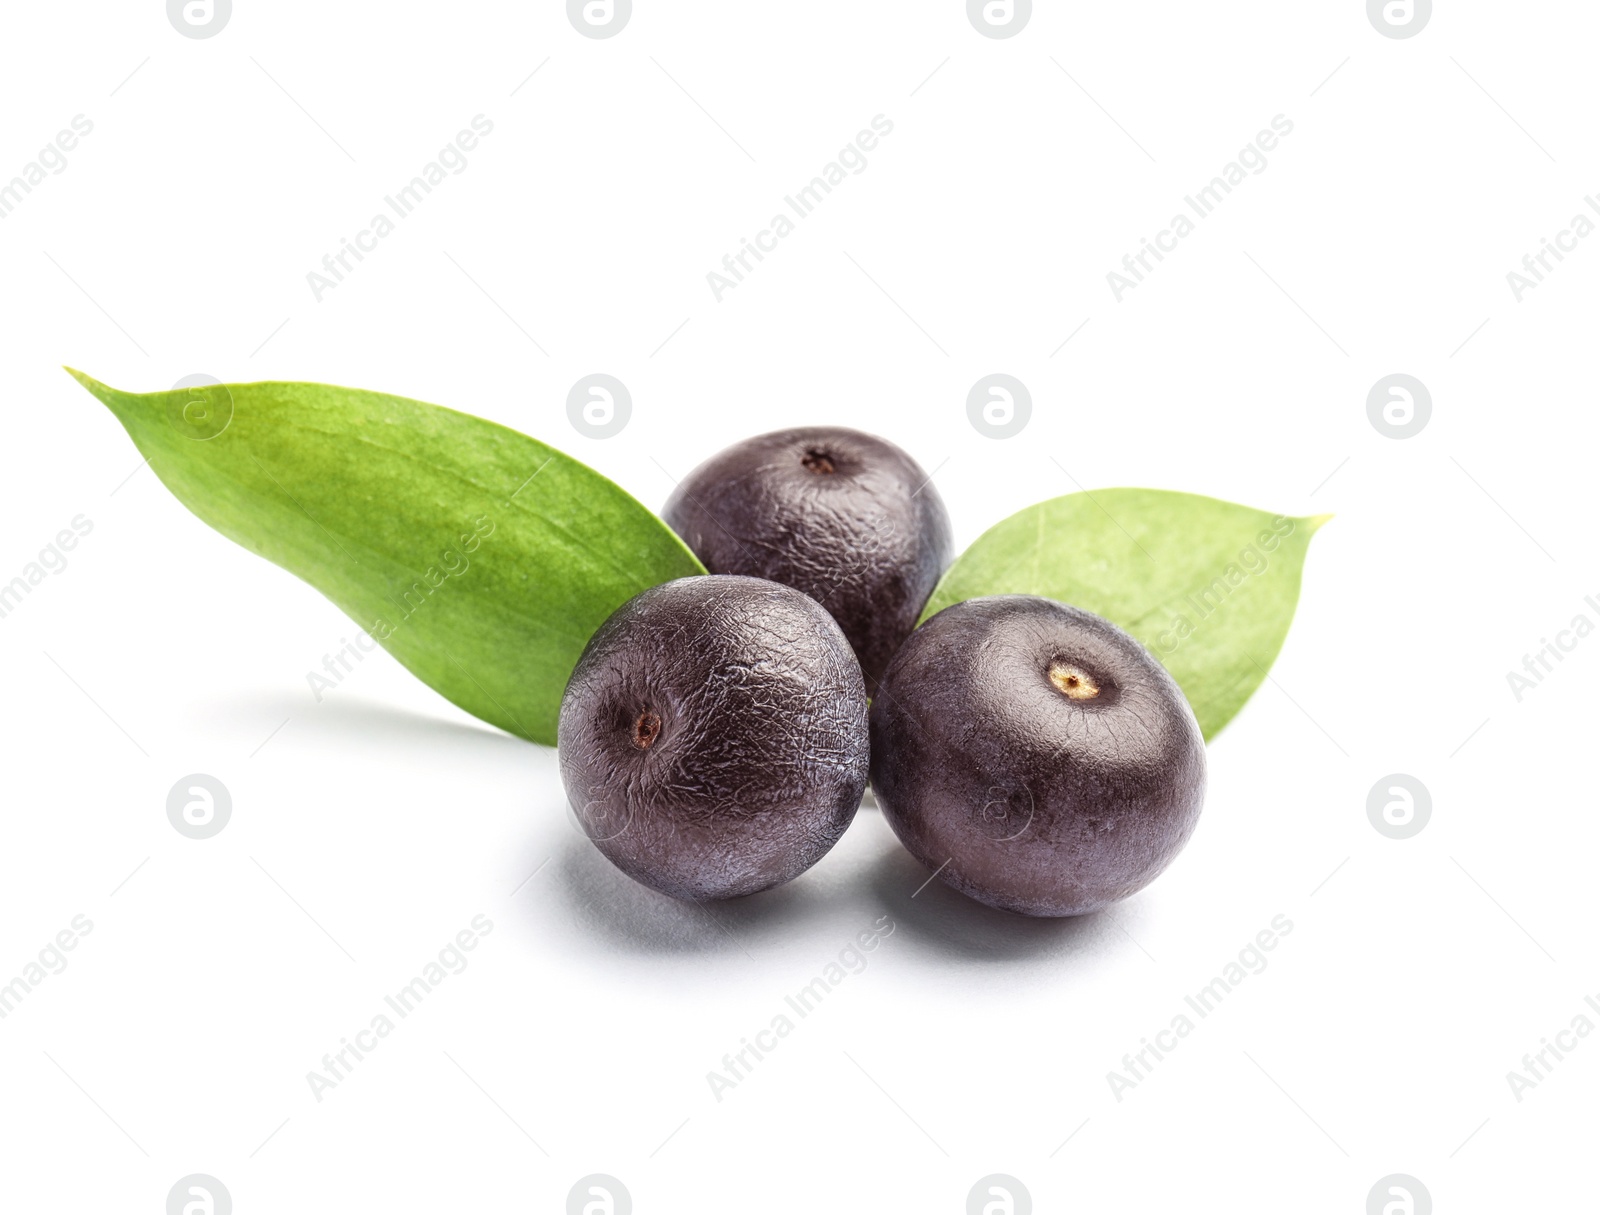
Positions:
(939, 919)
(607, 904)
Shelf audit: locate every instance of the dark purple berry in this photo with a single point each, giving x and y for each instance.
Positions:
(713, 737)
(847, 518)
(1035, 755)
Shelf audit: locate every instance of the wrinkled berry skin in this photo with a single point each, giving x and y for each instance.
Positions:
(847, 518)
(713, 736)
(1040, 751)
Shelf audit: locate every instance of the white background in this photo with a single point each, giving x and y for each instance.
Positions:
(370, 828)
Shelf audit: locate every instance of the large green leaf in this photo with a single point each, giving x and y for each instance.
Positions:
(480, 558)
(1208, 587)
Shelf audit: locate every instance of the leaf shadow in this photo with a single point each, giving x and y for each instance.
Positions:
(352, 720)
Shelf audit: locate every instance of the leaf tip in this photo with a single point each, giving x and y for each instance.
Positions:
(1316, 521)
(104, 392)
(124, 405)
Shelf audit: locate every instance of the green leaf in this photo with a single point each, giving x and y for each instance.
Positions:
(1208, 587)
(480, 558)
